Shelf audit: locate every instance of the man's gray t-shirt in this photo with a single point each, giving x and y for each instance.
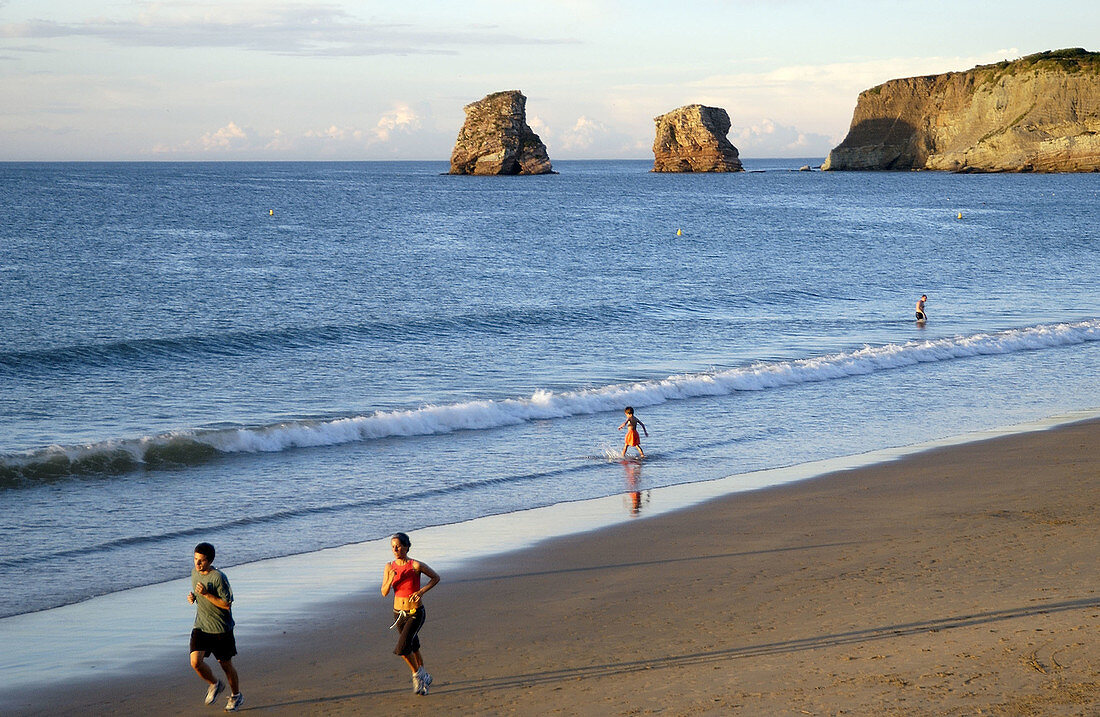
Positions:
(208, 616)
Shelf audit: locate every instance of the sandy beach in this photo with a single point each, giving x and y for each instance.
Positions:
(962, 580)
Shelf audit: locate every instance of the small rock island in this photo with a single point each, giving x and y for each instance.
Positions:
(495, 139)
(1040, 113)
(693, 139)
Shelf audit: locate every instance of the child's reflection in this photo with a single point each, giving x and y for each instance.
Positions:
(633, 482)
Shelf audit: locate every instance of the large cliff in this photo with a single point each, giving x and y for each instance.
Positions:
(693, 139)
(495, 139)
(1040, 113)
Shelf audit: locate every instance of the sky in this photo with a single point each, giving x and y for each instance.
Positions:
(134, 80)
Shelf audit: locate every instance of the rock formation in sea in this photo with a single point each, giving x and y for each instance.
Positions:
(1040, 113)
(495, 139)
(693, 139)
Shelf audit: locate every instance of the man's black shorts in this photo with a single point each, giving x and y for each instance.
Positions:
(221, 644)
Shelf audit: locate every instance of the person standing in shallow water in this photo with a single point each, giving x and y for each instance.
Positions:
(921, 316)
(402, 575)
(632, 432)
(213, 633)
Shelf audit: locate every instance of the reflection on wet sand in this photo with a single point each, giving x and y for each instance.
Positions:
(637, 498)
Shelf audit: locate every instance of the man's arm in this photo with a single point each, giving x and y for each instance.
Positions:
(217, 601)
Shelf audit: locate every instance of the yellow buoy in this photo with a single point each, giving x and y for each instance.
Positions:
(679, 233)
(960, 216)
(270, 212)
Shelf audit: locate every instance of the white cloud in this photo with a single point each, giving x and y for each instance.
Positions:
(538, 126)
(813, 88)
(279, 142)
(228, 137)
(338, 134)
(399, 133)
(584, 134)
(766, 138)
(400, 120)
(589, 138)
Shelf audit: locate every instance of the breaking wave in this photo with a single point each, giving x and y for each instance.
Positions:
(195, 446)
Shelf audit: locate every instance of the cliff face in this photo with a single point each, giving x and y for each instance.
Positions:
(1040, 113)
(495, 139)
(693, 139)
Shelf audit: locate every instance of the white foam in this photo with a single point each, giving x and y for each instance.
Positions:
(543, 404)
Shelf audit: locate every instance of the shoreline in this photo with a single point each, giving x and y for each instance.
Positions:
(351, 618)
(335, 573)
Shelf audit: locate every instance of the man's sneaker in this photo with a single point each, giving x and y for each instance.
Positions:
(418, 688)
(425, 682)
(214, 691)
(234, 702)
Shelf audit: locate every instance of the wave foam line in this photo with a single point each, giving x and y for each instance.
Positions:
(200, 445)
(544, 405)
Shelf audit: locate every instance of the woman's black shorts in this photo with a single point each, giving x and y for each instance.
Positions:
(407, 626)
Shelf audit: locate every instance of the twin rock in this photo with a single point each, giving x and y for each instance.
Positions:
(1040, 113)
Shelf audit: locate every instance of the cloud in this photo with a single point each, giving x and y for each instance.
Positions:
(282, 29)
(848, 77)
(400, 120)
(538, 126)
(337, 134)
(279, 142)
(588, 138)
(232, 139)
(398, 133)
(769, 139)
(584, 134)
(228, 137)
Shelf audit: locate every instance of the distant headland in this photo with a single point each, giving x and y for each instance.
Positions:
(1040, 113)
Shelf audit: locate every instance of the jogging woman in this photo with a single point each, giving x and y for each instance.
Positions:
(403, 576)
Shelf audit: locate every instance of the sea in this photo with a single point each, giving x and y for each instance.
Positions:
(282, 358)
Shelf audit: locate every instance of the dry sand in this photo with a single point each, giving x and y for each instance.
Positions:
(958, 581)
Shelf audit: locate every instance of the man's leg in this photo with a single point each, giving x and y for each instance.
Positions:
(230, 674)
(201, 667)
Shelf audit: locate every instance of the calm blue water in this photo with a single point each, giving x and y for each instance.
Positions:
(395, 348)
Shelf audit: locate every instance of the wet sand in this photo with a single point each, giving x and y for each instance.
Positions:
(962, 580)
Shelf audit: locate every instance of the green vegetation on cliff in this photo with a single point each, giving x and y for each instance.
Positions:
(1070, 60)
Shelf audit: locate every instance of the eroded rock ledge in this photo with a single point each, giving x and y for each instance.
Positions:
(495, 139)
(1040, 113)
(693, 139)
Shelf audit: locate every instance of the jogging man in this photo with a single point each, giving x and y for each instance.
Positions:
(213, 633)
